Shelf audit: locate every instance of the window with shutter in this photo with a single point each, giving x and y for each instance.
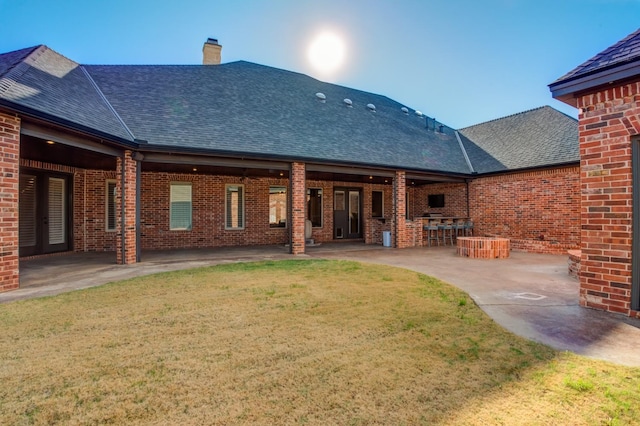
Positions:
(57, 225)
(28, 212)
(110, 202)
(180, 206)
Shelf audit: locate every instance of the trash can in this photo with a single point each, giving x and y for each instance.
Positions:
(386, 238)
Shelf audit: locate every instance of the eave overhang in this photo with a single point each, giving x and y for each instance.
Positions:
(567, 90)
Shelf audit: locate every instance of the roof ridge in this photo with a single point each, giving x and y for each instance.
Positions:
(106, 101)
(507, 116)
(19, 68)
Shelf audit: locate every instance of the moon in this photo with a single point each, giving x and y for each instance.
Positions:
(326, 52)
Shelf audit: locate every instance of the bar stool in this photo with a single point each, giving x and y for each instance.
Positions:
(447, 229)
(459, 228)
(468, 228)
(432, 232)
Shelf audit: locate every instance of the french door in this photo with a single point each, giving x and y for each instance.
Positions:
(45, 212)
(347, 213)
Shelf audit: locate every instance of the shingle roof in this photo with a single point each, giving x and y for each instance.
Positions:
(253, 109)
(625, 51)
(42, 80)
(246, 109)
(534, 138)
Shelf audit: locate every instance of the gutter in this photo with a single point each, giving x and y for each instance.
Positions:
(68, 125)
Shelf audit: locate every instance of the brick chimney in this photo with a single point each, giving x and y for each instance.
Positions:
(211, 52)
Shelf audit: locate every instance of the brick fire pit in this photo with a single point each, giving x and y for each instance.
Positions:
(483, 247)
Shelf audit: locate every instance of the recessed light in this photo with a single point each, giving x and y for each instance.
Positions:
(195, 169)
(50, 142)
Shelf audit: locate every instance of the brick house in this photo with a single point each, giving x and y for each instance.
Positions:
(129, 158)
(606, 91)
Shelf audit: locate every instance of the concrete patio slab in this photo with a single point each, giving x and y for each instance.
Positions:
(528, 294)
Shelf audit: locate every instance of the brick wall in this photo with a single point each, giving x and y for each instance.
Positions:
(399, 234)
(455, 200)
(208, 227)
(298, 207)
(539, 210)
(607, 122)
(126, 224)
(90, 222)
(9, 192)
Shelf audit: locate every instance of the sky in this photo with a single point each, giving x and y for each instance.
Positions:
(463, 62)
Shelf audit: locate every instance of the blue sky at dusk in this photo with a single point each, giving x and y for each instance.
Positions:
(462, 61)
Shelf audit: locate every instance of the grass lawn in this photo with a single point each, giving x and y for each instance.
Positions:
(290, 342)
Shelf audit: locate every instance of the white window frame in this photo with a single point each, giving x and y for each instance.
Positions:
(106, 206)
(171, 201)
(283, 190)
(227, 212)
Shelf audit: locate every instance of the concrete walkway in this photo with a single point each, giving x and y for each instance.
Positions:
(530, 295)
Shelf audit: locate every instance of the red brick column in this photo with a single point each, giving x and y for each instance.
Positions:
(399, 225)
(9, 191)
(607, 121)
(126, 234)
(298, 206)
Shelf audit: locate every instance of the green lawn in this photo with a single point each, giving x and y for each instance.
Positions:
(290, 342)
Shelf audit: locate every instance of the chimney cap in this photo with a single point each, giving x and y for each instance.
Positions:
(211, 40)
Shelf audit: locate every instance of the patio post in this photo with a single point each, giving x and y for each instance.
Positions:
(10, 189)
(298, 204)
(399, 225)
(126, 202)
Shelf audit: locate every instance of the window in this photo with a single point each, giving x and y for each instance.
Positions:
(110, 203)
(314, 206)
(435, 200)
(406, 205)
(234, 207)
(277, 206)
(180, 206)
(377, 204)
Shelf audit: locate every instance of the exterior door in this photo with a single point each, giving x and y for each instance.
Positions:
(347, 213)
(44, 213)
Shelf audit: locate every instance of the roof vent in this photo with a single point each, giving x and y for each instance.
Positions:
(405, 110)
(418, 113)
(371, 107)
(348, 102)
(321, 97)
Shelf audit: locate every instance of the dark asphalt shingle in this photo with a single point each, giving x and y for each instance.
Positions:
(242, 108)
(534, 138)
(47, 82)
(625, 51)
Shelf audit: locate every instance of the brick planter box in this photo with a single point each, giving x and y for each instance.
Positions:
(483, 247)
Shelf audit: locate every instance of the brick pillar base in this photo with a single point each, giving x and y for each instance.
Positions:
(9, 192)
(126, 193)
(399, 226)
(298, 204)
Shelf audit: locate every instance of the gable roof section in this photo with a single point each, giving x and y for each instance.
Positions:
(41, 81)
(242, 108)
(618, 62)
(536, 138)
